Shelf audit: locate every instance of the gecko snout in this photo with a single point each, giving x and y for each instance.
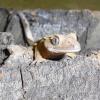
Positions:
(77, 47)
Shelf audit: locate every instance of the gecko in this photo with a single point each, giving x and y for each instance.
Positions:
(51, 46)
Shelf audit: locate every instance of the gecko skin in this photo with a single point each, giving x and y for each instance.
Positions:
(57, 45)
(52, 46)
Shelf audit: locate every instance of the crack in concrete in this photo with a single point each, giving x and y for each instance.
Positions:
(21, 74)
(86, 35)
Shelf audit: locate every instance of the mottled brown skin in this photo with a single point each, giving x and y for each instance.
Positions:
(45, 53)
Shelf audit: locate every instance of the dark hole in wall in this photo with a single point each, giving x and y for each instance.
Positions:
(7, 54)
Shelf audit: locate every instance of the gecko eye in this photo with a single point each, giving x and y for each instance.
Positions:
(55, 40)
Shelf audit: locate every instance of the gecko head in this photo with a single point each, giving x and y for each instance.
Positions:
(62, 43)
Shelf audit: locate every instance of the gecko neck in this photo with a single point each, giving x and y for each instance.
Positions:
(45, 53)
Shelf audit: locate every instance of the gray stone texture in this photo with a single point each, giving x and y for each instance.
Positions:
(66, 79)
(93, 38)
(5, 40)
(15, 28)
(3, 19)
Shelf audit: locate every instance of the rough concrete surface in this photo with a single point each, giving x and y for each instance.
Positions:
(15, 28)
(4, 13)
(22, 78)
(5, 40)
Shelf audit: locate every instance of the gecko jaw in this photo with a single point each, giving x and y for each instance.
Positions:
(76, 48)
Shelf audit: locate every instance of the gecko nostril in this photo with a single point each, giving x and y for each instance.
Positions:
(55, 40)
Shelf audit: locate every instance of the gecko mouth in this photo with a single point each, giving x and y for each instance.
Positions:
(76, 48)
